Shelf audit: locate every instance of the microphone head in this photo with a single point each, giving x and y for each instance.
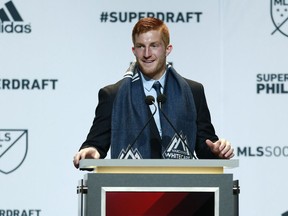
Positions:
(149, 100)
(161, 98)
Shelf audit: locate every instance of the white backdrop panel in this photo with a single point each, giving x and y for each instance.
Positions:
(69, 44)
(226, 45)
(256, 122)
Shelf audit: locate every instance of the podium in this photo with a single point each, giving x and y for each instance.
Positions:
(157, 187)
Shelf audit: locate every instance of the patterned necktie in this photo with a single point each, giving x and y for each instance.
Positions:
(157, 117)
(157, 87)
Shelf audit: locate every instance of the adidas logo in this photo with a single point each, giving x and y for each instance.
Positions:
(11, 21)
(13, 12)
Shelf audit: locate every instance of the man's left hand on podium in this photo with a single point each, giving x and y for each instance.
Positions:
(221, 148)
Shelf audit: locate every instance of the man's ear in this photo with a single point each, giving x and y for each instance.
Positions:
(169, 49)
(133, 50)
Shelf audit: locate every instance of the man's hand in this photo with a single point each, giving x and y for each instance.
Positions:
(85, 153)
(221, 148)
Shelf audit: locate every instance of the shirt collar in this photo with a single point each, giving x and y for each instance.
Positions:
(148, 83)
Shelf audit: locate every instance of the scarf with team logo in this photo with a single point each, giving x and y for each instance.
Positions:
(130, 113)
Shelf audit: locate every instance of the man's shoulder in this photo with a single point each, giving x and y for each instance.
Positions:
(194, 85)
(112, 88)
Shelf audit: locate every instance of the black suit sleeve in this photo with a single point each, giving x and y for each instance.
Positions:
(99, 135)
(205, 129)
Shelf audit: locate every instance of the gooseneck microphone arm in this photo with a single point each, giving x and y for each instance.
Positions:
(161, 99)
(149, 100)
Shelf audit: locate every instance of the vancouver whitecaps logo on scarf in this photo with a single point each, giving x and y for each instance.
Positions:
(279, 15)
(177, 149)
(130, 154)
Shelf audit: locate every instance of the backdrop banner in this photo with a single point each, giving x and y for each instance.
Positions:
(56, 55)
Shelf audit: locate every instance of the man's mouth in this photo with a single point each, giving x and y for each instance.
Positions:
(147, 61)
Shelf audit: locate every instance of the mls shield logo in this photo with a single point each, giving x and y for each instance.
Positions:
(13, 149)
(279, 15)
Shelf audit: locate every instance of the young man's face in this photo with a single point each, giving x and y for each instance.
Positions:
(151, 53)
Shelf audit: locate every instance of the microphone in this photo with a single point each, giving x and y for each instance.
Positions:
(149, 100)
(161, 99)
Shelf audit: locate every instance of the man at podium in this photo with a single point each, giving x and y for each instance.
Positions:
(153, 112)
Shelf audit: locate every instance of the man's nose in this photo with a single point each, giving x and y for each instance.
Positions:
(147, 52)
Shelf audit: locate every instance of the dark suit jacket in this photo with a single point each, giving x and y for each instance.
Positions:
(100, 132)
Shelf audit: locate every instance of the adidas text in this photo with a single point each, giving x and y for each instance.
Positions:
(15, 28)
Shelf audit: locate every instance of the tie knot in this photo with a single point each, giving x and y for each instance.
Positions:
(157, 86)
